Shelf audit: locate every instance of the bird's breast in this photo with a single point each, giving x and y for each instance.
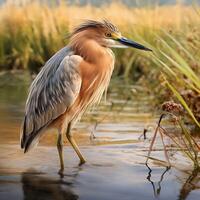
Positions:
(95, 80)
(98, 74)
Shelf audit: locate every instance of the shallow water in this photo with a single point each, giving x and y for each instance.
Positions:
(109, 137)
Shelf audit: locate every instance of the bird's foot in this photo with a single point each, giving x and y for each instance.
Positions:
(82, 161)
(61, 172)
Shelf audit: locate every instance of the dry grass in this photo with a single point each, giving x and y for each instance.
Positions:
(30, 34)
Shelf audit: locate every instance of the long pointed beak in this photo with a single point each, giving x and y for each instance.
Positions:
(130, 43)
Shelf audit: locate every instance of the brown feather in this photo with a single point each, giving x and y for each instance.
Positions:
(96, 69)
(70, 81)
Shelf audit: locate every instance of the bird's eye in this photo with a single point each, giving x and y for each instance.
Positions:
(108, 34)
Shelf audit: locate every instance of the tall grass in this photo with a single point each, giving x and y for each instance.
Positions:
(30, 34)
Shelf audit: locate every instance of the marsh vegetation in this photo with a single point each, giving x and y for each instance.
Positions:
(149, 84)
(30, 34)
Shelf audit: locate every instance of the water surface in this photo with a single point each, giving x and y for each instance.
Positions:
(109, 137)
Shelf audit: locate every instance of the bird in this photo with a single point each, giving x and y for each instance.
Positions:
(72, 80)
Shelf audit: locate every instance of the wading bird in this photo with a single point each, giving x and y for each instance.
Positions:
(70, 81)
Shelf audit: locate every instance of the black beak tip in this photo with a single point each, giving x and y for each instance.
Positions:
(147, 49)
(133, 44)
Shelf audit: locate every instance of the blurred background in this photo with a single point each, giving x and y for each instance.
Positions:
(32, 31)
(100, 2)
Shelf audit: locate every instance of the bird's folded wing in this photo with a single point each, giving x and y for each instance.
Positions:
(54, 89)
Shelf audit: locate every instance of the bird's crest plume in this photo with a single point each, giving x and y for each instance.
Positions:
(95, 24)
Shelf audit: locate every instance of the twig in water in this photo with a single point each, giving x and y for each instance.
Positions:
(153, 140)
(188, 144)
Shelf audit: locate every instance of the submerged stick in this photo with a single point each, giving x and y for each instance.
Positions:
(165, 150)
(154, 137)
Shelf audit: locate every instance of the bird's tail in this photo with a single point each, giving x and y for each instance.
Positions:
(30, 140)
(22, 133)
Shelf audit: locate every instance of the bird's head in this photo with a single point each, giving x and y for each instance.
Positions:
(106, 34)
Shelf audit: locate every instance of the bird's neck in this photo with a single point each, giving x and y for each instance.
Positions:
(89, 49)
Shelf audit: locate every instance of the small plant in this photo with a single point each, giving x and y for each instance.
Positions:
(185, 141)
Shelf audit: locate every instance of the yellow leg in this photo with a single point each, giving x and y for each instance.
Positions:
(60, 152)
(74, 145)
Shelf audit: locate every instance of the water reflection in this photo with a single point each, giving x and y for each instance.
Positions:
(190, 184)
(118, 124)
(157, 190)
(38, 186)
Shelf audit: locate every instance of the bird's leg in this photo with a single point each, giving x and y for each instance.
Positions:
(74, 145)
(60, 151)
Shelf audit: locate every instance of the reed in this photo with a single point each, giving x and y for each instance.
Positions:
(30, 34)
